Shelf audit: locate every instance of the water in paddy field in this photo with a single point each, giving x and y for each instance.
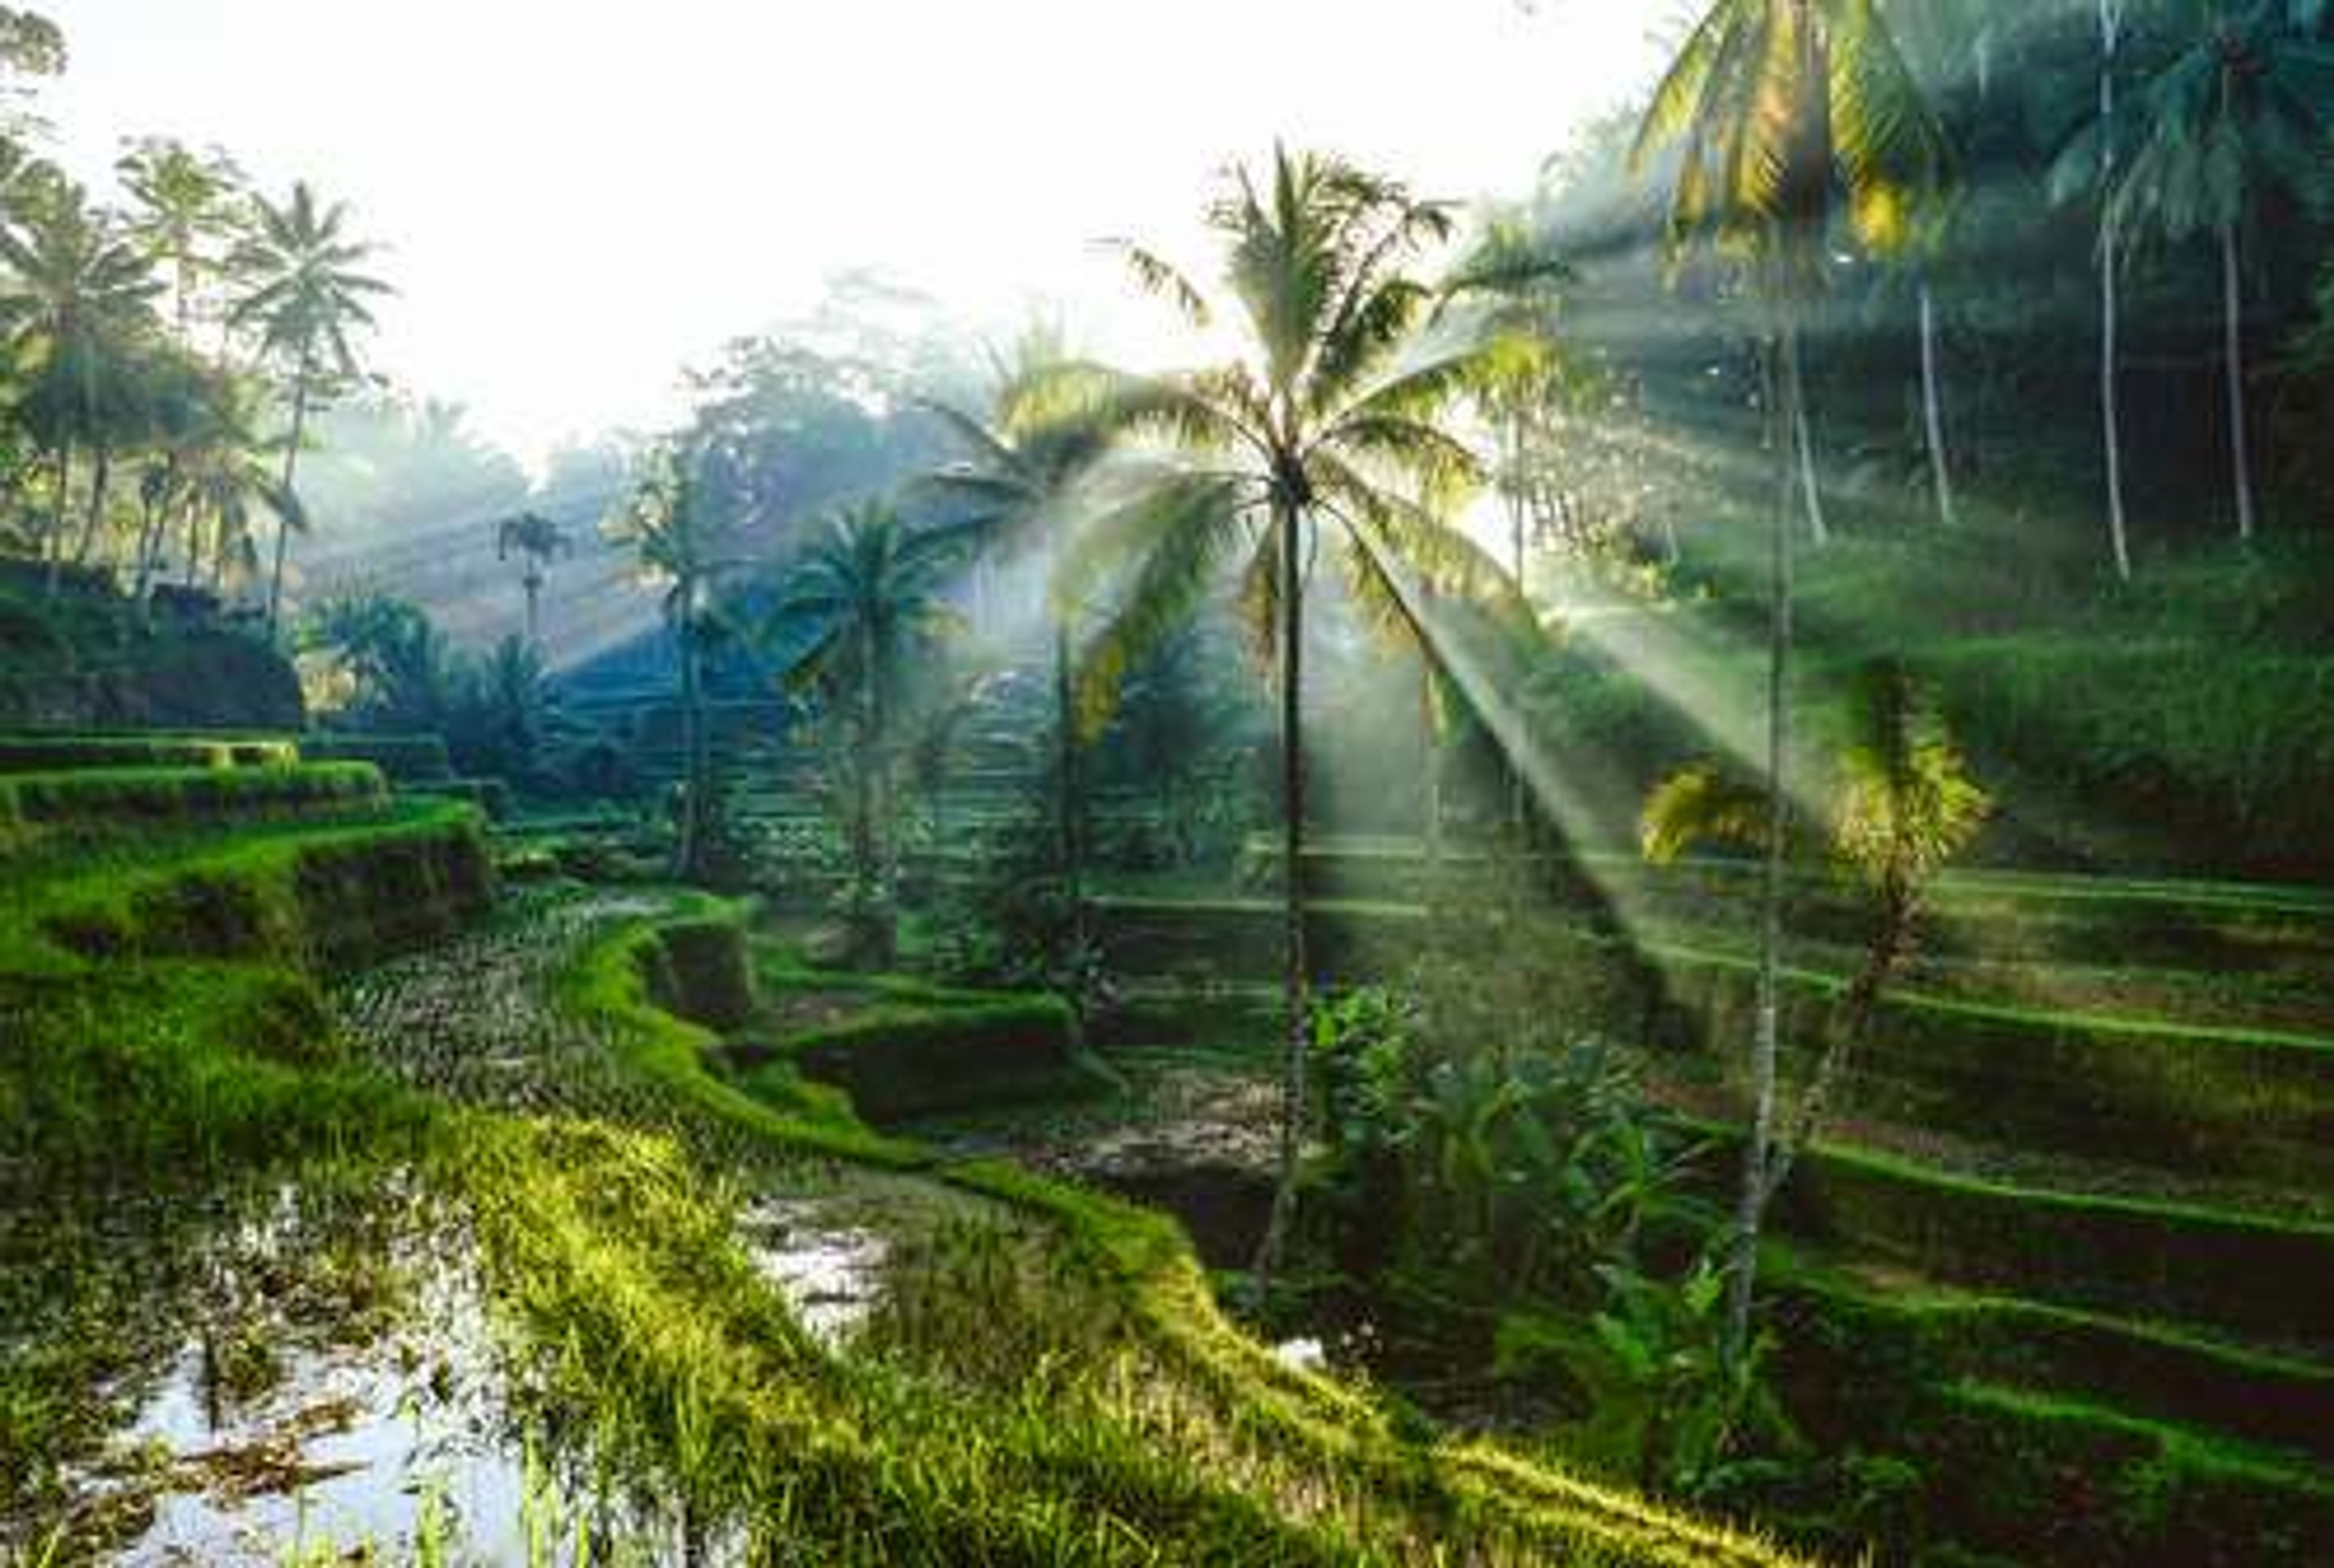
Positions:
(830, 1272)
(329, 1382)
(355, 1444)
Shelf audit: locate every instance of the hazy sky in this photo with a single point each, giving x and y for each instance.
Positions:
(579, 197)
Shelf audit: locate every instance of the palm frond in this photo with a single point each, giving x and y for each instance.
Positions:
(1157, 276)
(1179, 529)
(1701, 806)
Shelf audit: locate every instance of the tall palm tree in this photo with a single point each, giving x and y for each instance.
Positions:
(859, 614)
(303, 295)
(675, 539)
(1517, 391)
(2233, 119)
(538, 540)
(1325, 430)
(1779, 110)
(186, 205)
(2088, 164)
(77, 301)
(183, 410)
(1016, 489)
(215, 475)
(1939, 39)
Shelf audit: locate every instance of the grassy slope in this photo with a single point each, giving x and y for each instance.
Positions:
(173, 1023)
(163, 984)
(1267, 1464)
(2177, 724)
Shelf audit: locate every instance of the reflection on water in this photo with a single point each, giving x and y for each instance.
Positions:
(332, 1388)
(379, 1443)
(829, 1270)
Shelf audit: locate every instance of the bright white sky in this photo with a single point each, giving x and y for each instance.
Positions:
(580, 196)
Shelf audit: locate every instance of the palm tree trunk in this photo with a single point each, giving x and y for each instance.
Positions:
(1933, 408)
(1803, 438)
(876, 750)
(2110, 415)
(1518, 509)
(1742, 1275)
(533, 583)
(2233, 322)
(153, 518)
(2110, 307)
(284, 523)
(219, 547)
(1296, 978)
(1430, 746)
(194, 539)
(59, 514)
(689, 850)
(1069, 785)
(100, 482)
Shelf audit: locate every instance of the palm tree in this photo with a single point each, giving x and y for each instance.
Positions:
(303, 295)
(389, 649)
(859, 616)
(187, 203)
(229, 481)
(1017, 488)
(1904, 808)
(674, 538)
(1937, 36)
(216, 475)
(2088, 164)
(2231, 120)
(78, 307)
(538, 540)
(1517, 392)
(181, 401)
(1326, 431)
(1779, 108)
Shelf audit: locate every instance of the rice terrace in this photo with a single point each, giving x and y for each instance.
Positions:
(1526, 782)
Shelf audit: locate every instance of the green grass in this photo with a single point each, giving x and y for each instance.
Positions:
(62, 752)
(119, 799)
(319, 897)
(1189, 1437)
(614, 985)
(2253, 1103)
(407, 759)
(2062, 1481)
(2201, 1099)
(2134, 1365)
(163, 987)
(902, 1047)
(2248, 1275)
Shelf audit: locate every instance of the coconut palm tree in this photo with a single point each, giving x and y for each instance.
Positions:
(1940, 39)
(186, 206)
(230, 481)
(1325, 432)
(1016, 489)
(2088, 164)
(1521, 383)
(538, 540)
(302, 293)
(181, 401)
(859, 617)
(2233, 119)
(77, 303)
(675, 539)
(1780, 111)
